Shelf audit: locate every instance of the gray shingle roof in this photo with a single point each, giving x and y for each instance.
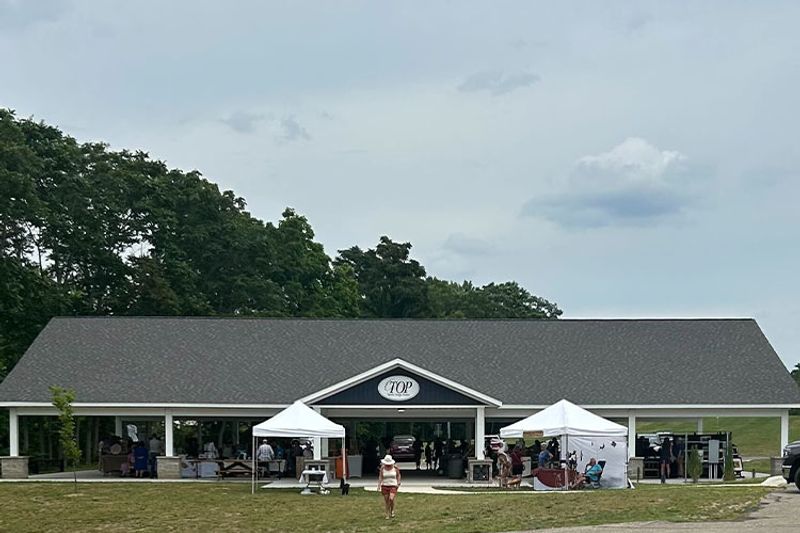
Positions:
(265, 361)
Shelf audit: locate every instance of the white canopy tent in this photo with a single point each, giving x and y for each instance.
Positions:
(590, 434)
(298, 420)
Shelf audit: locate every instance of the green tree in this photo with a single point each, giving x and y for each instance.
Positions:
(796, 373)
(62, 401)
(728, 473)
(391, 284)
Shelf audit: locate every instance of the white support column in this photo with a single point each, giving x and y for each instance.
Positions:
(480, 431)
(317, 441)
(13, 433)
(700, 425)
(631, 434)
(118, 426)
(784, 430)
(169, 447)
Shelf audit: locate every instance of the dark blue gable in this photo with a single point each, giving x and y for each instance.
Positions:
(430, 393)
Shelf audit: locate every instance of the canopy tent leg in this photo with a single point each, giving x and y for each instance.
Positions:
(565, 453)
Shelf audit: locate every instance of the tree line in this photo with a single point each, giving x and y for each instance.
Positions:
(87, 230)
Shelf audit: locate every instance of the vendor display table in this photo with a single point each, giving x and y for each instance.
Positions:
(553, 478)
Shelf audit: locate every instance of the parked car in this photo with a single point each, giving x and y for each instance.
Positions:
(402, 448)
(791, 463)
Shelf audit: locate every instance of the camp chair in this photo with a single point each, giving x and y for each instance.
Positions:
(596, 484)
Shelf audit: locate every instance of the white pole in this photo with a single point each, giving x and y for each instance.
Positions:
(480, 432)
(344, 460)
(169, 446)
(784, 430)
(631, 435)
(254, 473)
(700, 425)
(565, 453)
(13, 433)
(118, 426)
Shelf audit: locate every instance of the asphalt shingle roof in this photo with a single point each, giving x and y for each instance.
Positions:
(266, 361)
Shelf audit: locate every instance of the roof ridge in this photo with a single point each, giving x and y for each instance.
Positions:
(384, 319)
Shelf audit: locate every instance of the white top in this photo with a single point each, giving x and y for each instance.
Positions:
(265, 452)
(565, 418)
(298, 420)
(389, 477)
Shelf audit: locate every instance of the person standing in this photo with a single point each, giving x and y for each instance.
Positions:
(544, 457)
(678, 450)
(516, 462)
(140, 457)
(417, 446)
(264, 455)
(428, 457)
(388, 483)
(665, 458)
(156, 450)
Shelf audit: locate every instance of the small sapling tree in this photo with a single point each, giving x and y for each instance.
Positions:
(62, 401)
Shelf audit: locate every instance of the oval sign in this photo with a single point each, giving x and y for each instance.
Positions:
(398, 388)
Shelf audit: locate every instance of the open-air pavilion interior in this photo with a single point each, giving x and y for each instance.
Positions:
(194, 381)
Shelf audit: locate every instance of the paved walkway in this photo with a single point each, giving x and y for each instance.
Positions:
(778, 513)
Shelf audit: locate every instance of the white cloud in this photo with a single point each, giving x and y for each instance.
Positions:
(634, 160)
(633, 183)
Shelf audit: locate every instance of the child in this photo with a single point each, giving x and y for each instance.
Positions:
(428, 457)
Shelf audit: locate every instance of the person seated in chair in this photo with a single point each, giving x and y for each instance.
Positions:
(591, 476)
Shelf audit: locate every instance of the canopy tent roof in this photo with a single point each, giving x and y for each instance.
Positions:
(298, 420)
(565, 418)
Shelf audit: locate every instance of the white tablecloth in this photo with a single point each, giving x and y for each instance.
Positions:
(305, 476)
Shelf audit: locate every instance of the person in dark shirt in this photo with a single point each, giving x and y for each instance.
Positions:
(665, 458)
(553, 448)
(516, 461)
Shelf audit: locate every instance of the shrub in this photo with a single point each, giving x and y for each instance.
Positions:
(694, 465)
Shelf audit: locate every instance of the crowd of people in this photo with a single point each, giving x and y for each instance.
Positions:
(140, 457)
(508, 465)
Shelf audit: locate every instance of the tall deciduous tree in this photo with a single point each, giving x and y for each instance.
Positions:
(392, 285)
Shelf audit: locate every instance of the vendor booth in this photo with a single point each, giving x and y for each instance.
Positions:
(298, 420)
(582, 434)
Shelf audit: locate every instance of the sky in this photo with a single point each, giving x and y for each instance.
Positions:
(623, 159)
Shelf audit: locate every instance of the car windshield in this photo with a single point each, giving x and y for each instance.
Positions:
(403, 440)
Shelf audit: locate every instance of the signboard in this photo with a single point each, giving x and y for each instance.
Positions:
(398, 388)
(532, 434)
(713, 451)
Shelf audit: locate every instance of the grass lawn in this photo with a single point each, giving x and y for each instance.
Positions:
(230, 507)
(755, 437)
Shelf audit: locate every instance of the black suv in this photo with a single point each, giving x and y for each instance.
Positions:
(791, 463)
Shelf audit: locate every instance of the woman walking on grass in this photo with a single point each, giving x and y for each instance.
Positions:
(388, 483)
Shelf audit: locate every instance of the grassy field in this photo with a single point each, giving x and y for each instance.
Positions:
(755, 437)
(230, 507)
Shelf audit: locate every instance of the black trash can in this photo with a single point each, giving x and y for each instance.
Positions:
(455, 466)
